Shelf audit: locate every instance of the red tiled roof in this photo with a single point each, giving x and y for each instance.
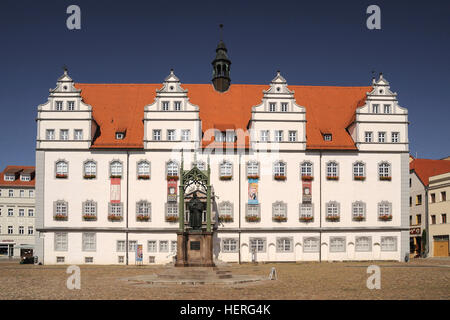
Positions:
(328, 110)
(426, 168)
(17, 170)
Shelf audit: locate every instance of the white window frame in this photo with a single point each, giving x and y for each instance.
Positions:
(258, 244)
(337, 244)
(306, 168)
(284, 244)
(272, 107)
(78, 134)
(64, 134)
(50, 134)
(163, 246)
(279, 168)
(278, 135)
(143, 168)
(292, 135)
(368, 136)
(359, 169)
(89, 241)
(332, 169)
(156, 134)
(165, 105)
(172, 168)
(384, 169)
(61, 242)
(230, 245)
(382, 137)
(311, 244)
(358, 209)
(391, 246)
(252, 168)
(395, 137)
(152, 246)
(226, 168)
(265, 135)
(171, 135)
(90, 168)
(284, 107)
(116, 168)
(185, 135)
(363, 244)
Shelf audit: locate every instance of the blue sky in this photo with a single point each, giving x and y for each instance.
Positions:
(311, 42)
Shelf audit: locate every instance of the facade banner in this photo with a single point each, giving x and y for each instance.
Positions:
(139, 253)
(172, 190)
(253, 191)
(307, 192)
(115, 190)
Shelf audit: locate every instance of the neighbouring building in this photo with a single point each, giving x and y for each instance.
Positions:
(428, 205)
(298, 173)
(17, 211)
(439, 189)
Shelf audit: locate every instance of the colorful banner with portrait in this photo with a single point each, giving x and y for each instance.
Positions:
(253, 191)
(139, 253)
(172, 186)
(307, 192)
(115, 190)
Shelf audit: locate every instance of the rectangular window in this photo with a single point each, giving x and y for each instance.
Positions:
(278, 135)
(443, 196)
(88, 259)
(171, 135)
(219, 136)
(31, 212)
(328, 137)
(89, 241)
(9, 177)
(410, 201)
(444, 218)
(311, 245)
(30, 230)
(272, 107)
(433, 219)
(163, 246)
(70, 105)
(10, 212)
(395, 137)
(292, 136)
(284, 245)
(120, 259)
(59, 105)
(157, 135)
(253, 210)
(60, 241)
(375, 108)
(177, 105)
(418, 218)
(50, 134)
(418, 200)
(382, 137)
(230, 136)
(21, 230)
(229, 245)
(63, 134)
(151, 246)
(257, 245)
(132, 244)
(25, 177)
(185, 135)
(387, 108)
(21, 193)
(337, 244)
(264, 135)
(165, 105)
(60, 259)
(306, 210)
(10, 230)
(173, 246)
(21, 212)
(284, 107)
(388, 243)
(151, 259)
(252, 168)
(363, 244)
(78, 133)
(31, 193)
(433, 198)
(368, 136)
(120, 246)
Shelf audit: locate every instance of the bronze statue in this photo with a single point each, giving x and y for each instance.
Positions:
(195, 207)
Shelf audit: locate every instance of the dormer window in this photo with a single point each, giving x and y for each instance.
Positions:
(10, 177)
(120, 135)
(328, 137)
(220, 136)
(25, 177)
(230, 136)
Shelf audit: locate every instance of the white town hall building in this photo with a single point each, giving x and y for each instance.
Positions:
(298, 173)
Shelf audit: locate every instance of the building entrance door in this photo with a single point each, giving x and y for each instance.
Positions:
(440, 248)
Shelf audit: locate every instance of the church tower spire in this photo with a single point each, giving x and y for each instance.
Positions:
(221, 67)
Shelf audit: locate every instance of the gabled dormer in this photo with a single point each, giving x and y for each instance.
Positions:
(65, 117)
(278, 112)
(380, 123)
(171, 104)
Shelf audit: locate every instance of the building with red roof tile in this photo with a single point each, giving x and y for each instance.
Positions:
(297, 172)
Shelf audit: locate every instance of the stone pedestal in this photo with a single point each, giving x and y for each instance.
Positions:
(194, 249)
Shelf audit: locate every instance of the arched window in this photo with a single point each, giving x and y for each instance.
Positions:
(385, 211)
(143, 211)
(62, 169)
(306, 170)
(226, 170)
(90, 169)
(172, 169)
(359, 171)
(333, 211)
(279, 170)
(143, 169)
(358, 211)
(332, 170)
(253, 169)
(384, 171)
(116, 169)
